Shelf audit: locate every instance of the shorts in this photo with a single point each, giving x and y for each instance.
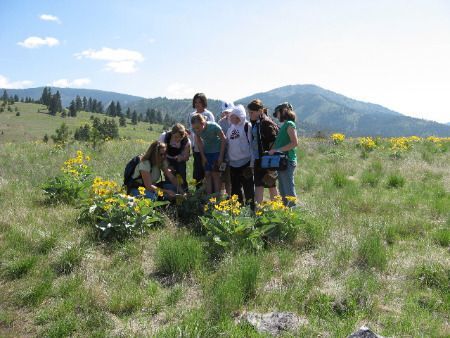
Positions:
(211, 161)
(264, 177)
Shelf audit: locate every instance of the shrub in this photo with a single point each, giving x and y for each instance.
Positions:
(433, 275)
(339, 178)
(68, 260)
(233, 285)
(178, 255)
(337, 138)
(395, 180)
(372, 252)
(442, 237)
(18, 268)
(116, 215)
(71, 186)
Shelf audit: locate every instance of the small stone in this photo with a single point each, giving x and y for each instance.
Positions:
(273, 322)
(364, 332)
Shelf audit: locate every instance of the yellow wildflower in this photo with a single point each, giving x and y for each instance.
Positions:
(141, 191)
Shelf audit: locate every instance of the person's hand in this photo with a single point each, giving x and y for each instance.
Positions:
(272, 151)
(204, 161)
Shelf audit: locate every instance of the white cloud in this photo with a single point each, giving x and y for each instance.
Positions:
(35, 41)
(49, 17)
(120, 60)
(179, 90)
(63, 83)
(4, 83)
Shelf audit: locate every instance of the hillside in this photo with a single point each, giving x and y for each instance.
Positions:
(68, 94)
(317, 109)
(370, 247)
(34, 122)
(324, 110)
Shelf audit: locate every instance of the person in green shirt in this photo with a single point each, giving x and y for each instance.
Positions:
(286, 142)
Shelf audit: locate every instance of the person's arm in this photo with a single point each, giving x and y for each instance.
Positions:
(147, 179)
(184, 156)
(223, 141)
(199, 143)
(291, 145)
(172, 180)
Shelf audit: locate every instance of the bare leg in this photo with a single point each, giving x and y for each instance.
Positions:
(217, 182)
(208, 183)
(259, 194)
(273, 192)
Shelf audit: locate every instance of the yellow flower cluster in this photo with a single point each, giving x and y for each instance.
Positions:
(103, 188)
(232, 205)
(367, 143)
(275, 204)
(438, 140)
(76, 165)
(400, 143)
(338, 138)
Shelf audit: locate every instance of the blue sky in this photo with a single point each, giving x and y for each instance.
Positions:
(395, 53)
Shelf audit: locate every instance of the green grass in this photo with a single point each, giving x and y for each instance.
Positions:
(372, 248)
(178, 255)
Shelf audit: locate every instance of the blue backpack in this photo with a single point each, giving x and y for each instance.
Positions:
(128, 180)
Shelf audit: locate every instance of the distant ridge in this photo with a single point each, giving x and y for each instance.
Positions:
(68, 94)
(317, 110)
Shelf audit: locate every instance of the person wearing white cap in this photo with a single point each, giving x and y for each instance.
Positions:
(240, 156)
(224, 123)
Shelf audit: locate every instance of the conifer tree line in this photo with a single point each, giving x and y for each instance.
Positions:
(114, 109)
(12, 99)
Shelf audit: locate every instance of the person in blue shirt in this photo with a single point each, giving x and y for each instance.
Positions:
(210, 140)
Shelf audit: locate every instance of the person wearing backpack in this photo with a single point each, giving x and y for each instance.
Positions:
(264, 132)
(286, 142)
(147, 173)
(240, 156)
(199, 103)
(178, 151)
(210, 140)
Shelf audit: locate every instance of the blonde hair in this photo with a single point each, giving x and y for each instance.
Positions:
(198, 118)
(178, 128)
(153, 153)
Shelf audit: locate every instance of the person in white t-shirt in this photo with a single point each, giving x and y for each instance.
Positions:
(199, 103)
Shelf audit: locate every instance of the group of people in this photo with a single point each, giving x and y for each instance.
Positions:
(227, 154)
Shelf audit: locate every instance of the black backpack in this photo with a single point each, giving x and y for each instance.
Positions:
(128, 180)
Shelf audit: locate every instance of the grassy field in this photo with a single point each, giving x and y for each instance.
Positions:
(377, 253)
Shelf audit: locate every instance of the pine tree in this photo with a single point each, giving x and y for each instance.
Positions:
(152, 118)
(122, 121)
(72, 109)
(58, 102)
(159, 118)
(128, 113)
(111, 110)
(147, 115)
(99, 107)
(118, 109)
(85, 102)
(5, 96)
(134, 117)
(89, 105)
(16, 98)
(78, 103)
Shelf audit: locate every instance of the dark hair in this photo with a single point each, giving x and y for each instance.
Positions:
(256, 105)
(286, 112)
(202, 98)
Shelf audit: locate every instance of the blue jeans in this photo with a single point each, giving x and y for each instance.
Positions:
(286, 183)
(152, 194)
